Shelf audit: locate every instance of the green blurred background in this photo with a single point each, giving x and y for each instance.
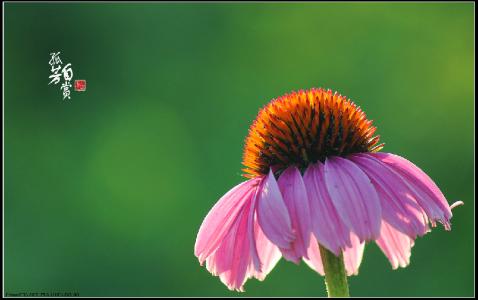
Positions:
(104, 193)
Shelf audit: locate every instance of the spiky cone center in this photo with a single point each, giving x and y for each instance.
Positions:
(305, 127)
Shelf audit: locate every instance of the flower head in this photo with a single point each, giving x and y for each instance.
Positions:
(304, 127)
(315, 177)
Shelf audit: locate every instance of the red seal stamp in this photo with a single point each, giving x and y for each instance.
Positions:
(80, 85)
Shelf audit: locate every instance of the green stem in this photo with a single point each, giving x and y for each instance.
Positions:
(335, 275)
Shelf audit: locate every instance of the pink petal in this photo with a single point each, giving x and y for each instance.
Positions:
(353, 255)
(268, 253)
(428, 195)
(232, 261)
(221, 217)
(399, 207)
(244, 251)
(395, 245)
(294, 193)
(327, 226)
(315, 260)
(272, 214)
(354, 197)
(251, 228)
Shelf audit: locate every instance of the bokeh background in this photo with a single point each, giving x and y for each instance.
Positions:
(104, 193)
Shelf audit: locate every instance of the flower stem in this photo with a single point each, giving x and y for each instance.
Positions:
(335, 275)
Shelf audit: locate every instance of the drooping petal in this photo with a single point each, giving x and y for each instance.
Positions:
(272, 214)
(221, 217)
(395, 245)
(354, 197)
(294, 194)
(428, 195)
(353, 255)
(315, 260)
(399, 207)
(251, 228)
(232, 260)
(269, 254)
(327, 226)
(245, 251)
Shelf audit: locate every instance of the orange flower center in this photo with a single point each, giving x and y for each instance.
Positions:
(304, 127)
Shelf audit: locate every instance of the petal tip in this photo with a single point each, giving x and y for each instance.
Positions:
(457, 203)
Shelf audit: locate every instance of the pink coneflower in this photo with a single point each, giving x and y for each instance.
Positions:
(317, 191)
